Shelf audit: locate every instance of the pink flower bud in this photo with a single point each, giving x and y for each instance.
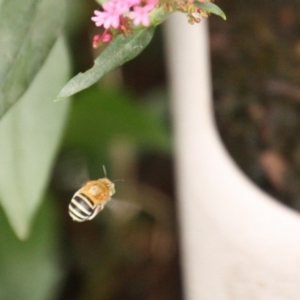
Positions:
(96, 40)
(106, 38)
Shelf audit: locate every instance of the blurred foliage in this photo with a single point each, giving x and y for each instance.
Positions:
(99, 116)
(26, 38)
(30, 134)
(30, 269)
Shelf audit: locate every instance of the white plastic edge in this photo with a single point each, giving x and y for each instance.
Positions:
(236, 241)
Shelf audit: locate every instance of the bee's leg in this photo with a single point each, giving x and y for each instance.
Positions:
(96, 211)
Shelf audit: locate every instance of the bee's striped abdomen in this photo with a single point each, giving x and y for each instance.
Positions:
(88, 201)
(81, 207)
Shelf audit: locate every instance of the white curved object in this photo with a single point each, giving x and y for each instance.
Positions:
(237, 242)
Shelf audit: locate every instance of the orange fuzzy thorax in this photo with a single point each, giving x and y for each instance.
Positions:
(99, 191)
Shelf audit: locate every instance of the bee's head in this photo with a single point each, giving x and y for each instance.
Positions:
(110, 185)
(112, 189)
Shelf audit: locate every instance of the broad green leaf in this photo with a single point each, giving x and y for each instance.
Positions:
(28, 30)
(30, 269)
(29, 137)
(120, 50)
(211, 8)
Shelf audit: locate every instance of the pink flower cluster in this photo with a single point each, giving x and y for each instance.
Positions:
(115, 11)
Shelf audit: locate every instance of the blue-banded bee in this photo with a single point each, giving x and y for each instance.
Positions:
(88, 201)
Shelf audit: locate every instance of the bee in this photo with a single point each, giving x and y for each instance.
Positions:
(88, 201)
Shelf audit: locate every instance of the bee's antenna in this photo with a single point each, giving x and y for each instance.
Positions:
(104, 171)
(116, 180)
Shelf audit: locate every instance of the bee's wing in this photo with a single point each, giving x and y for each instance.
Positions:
(122, 209)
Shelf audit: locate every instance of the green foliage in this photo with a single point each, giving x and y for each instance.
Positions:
(28, 29)
(124, 48)
(29, 136)
(211, 8)
(159, 15)
(30, 270)
(120, 50)
(99, 116)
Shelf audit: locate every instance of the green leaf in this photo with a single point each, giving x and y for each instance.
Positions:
(30, 269)
(28, 30)
(211, 8)
(159, 15)
(120, 50)
(29, 137)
